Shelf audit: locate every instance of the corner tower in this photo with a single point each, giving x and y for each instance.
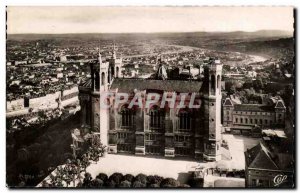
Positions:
(115, 65)
(212, 110)
(99, 116)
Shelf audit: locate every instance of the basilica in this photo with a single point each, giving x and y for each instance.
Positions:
(155, 129)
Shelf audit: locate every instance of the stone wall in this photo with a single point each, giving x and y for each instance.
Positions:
(45, 102)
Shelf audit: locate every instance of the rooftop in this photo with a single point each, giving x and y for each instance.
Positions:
(253, 107)
(262, 157)
(183, 86)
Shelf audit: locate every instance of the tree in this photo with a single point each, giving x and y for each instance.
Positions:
(117, 178)
(125, 184)
(258, 84)
(110, 183)
(128, 177)
(154, 186)
(85, 162)
(42, 117)
(232, 90)
(87, 181)
(45, 184)
(138, 184)
(185, 186)
(102, 177)
(154, 179)
(56, 180)
(95, 151)
(169, 182)
(142, 178)
(97, 183)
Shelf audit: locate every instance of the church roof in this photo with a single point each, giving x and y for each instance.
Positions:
(279, 104)
(253, 107)
(227, 102)
(183, 86)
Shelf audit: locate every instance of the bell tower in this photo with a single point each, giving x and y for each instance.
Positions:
(99, 116)
(115, 65)
(103, 73)
(212, 110)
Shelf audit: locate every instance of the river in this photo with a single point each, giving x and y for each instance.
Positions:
(253, 58)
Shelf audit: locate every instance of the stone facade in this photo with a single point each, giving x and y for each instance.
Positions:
(243, 117)
(169, 132)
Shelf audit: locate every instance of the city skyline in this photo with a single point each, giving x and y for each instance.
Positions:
(37, 20)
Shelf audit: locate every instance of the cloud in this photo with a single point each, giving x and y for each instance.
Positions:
(146, 19)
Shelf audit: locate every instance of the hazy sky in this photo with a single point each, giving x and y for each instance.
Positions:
(146, 19)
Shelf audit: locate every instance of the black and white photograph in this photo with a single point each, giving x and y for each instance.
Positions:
(152, 97)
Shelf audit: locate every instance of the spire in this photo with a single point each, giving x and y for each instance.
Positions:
(159, 60)
(99, 55)
(161, 72)
(114, 55)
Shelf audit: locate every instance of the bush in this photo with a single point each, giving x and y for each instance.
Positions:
(79, 184)
(154, 179)
(150, 180)
(117, 178)
(184, 186)
(102, 177)
(169, 182)
(87, 181)
(110, 184)
(97, 183)
(125, 184)
(141, 178)
(138, 184)
(129, 178)
(154, 186)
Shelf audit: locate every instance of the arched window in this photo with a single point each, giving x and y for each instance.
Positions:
(219, 83)
(112, 72)
(213, 84)
(108, 77)
(156, 117)
(97, 80)
(102, 78)
(185, 120)
(127, 117)
(117, 72)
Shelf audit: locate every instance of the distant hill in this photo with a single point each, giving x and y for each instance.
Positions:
(260, 33)
(116, 36)
(268, 43)
(283, 47)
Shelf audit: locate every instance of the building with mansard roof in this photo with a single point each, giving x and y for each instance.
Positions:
(154, 130)
(243, 118)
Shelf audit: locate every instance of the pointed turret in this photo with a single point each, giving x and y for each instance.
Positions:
(99, 56)
(114, 55)
(161, 72)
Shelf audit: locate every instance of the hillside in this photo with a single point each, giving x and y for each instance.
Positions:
(278, 48)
